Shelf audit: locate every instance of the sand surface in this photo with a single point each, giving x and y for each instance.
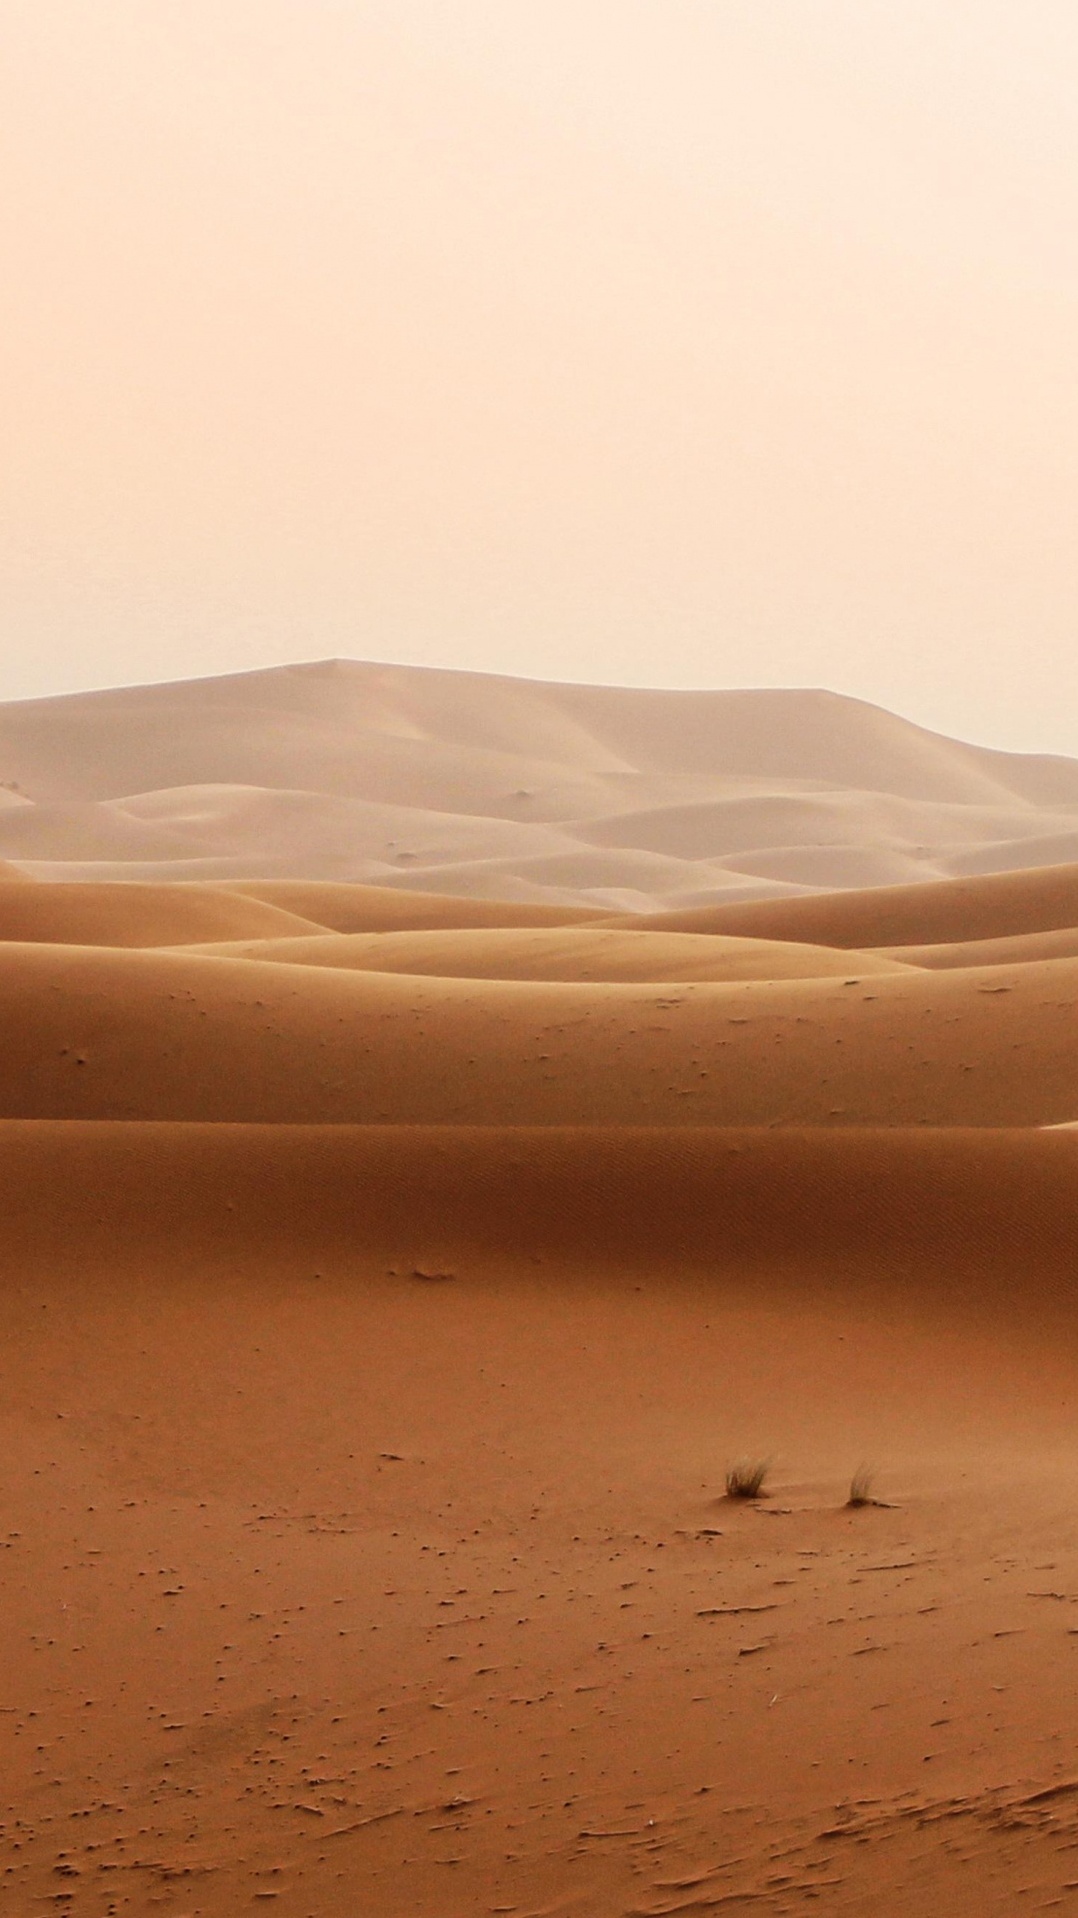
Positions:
(397, 1593)
(111, 1033)
(127, 914)
(962, 911)
(388, 1279)
(1020, 946)
(500, 789)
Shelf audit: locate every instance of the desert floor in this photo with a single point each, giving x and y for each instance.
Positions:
(388, 1280)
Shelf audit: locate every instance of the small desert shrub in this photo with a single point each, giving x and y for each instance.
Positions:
(861, 1487)
(745, 1477)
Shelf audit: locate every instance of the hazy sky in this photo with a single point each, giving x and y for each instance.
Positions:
(683, 342)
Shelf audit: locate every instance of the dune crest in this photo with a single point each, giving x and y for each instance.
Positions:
(961, 911)
(600, 954)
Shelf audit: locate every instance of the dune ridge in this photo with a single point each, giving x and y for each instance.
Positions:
(987, 906)
(340, 907)
(564, 953)
(126, 913)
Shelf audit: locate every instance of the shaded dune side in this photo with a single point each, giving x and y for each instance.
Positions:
(125, 913)
(89, 1033)
(1018, 949)
(566, 953)
(992, 906)
(940, 1210)
(353, 908)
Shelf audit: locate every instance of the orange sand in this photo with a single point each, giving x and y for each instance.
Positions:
(388, 1282)
(399, 1593)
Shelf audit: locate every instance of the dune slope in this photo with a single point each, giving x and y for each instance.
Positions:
(575, 953)
(91, 1033)
(1015, 949)
(355, 908)
(993, 906)
(129, 914)
(941, 1210)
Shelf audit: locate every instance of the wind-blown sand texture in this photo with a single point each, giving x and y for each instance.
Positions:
(388, 1280)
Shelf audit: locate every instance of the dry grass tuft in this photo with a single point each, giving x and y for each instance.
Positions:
(861, 1487)
(745, 1477)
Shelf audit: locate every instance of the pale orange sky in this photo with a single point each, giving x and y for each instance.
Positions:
(671, 342)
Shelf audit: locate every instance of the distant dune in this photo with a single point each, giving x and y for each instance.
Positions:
(502, 789)
(346, 908)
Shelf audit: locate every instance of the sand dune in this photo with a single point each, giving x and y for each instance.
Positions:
(133, 915)
(822, 868)
(239, 823)
(1045, 849)
(991, 906)
(466, 783)
(808, 819)
(1013, 950)
(91, 1033)
(404, 1227)
(568, 953)
(352, 908)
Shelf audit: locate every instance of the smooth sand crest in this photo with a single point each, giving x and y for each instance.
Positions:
(993, 906)
(1016, 949)
(93, 1033)
(945, 1212)
(354, 908)
(574, 953)
(128, 914)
